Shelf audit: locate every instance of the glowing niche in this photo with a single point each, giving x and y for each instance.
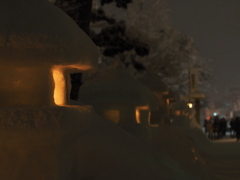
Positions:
(60, 81)
(143, 113)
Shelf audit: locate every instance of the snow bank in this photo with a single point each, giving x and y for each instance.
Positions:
(65, 143)
(196, 154)
(75, 143)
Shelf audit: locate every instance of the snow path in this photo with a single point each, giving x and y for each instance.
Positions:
(204, 158)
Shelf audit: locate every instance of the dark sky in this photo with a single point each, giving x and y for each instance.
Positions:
(215, 27)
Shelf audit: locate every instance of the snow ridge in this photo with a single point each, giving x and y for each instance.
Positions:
(41, 118)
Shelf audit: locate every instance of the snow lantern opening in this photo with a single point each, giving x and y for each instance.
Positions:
(113, 115)
(60, 82)
(143, 115)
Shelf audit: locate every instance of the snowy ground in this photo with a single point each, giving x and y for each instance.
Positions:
(63, 143)
(196, 154)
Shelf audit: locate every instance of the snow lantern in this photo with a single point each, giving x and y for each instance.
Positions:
(39, 44)
(119, 97)
(160, 89)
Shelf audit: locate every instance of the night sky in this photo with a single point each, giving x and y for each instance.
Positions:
(215, 27)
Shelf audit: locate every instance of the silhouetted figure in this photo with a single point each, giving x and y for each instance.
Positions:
(237, 128)
(205, 126)
(222, 127)
(232, 128)
(209, 127)
(216, 124)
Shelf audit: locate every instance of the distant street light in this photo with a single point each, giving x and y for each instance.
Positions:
(190, 105)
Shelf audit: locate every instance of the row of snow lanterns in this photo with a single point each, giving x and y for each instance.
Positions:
(37, 53)
(119, 97)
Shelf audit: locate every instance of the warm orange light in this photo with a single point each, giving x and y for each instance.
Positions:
(168, 101)
(137, 116)
(112, 115)
(178, 113)
(137, 112)
(190, 105)
(60, 89)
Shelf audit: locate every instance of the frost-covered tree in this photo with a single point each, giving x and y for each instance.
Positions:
(119, 3)
(109, 34)
(171, 52)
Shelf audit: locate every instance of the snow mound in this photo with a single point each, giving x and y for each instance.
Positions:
(196, 154)
(117, 87)
(66, 143)
(38, 31)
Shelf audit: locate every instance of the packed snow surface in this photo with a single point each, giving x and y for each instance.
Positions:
(75, 143)
(117, 87)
